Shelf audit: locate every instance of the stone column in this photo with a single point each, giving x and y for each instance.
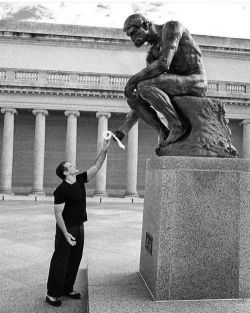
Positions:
(39, 150)
(7, 150)
(101, 175)
(71, 136)
(132, 160)
(246, 139)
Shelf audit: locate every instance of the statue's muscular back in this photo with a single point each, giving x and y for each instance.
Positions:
(187, 55)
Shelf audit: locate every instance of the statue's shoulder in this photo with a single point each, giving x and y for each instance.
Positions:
(172, 27)
(173, 24)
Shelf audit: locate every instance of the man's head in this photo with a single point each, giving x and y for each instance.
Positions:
(66, 169)
(136, 27)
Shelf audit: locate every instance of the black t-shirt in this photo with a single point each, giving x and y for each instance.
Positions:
(74, 197)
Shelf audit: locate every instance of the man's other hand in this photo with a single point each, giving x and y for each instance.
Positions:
(70, 239)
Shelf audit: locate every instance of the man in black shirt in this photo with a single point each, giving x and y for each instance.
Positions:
(70, 214)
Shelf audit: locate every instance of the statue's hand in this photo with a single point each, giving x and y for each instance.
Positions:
(129, 91)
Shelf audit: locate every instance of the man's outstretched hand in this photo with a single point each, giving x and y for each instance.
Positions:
(106, 144)
(119, 134)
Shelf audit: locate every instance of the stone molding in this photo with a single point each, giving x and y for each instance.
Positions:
(74, 113)
(40, 111)
(37, 32)
(246, 121)
(236, 102)
(65, 92)
(11, 110)
(100, 114)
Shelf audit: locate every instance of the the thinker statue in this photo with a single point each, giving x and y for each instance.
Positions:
(174, 69)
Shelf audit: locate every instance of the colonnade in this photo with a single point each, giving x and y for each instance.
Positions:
(70, 151)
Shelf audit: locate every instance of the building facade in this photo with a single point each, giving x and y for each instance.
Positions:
(61, 86)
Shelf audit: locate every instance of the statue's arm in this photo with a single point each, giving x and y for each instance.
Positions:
(153, 70)
(171, 35)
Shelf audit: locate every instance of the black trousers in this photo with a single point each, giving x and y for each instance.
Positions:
(65, 261)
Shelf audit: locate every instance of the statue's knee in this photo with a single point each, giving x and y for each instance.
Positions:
(143, 88)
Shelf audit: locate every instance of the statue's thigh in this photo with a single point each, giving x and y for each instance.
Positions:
(173, 85)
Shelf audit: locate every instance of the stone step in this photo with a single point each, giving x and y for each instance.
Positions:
(134, 297)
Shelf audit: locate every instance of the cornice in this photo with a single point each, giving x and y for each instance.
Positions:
(60, 92)
(231, 101)
(23, 38)
(28, 32)
(98, 94)
(29, 38)
(223, 52)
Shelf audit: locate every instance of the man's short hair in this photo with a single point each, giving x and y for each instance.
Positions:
(60, 170)
(136, 20)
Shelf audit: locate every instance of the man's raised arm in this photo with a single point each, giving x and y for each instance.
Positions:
(92, 171)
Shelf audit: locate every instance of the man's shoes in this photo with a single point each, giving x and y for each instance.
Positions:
(53, 300)
(73, 295)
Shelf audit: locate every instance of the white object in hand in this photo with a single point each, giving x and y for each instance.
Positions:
(108, 134)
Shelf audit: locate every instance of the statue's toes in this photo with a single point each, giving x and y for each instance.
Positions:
(157, 150)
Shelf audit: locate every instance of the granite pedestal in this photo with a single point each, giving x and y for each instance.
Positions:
(196, 228)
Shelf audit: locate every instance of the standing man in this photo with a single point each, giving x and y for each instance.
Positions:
(174, 68)
(70, 214)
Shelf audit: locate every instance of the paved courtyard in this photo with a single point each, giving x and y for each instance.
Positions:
(112, 251)
(27, 239)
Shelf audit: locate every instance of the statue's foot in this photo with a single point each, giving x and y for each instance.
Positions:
(119, 134)
(176, 133)
(163, 136)
(157, 150)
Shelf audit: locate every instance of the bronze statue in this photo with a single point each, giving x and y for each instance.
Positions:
(173, 84)
(174, 68)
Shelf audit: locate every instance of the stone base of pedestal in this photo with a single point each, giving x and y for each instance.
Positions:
(131, 194)
(196, 228)
(37, 193)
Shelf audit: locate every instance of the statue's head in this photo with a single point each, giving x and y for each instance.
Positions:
(136, 27)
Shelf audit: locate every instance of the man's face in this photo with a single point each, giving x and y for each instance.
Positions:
(70, 169)
(137, 34)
